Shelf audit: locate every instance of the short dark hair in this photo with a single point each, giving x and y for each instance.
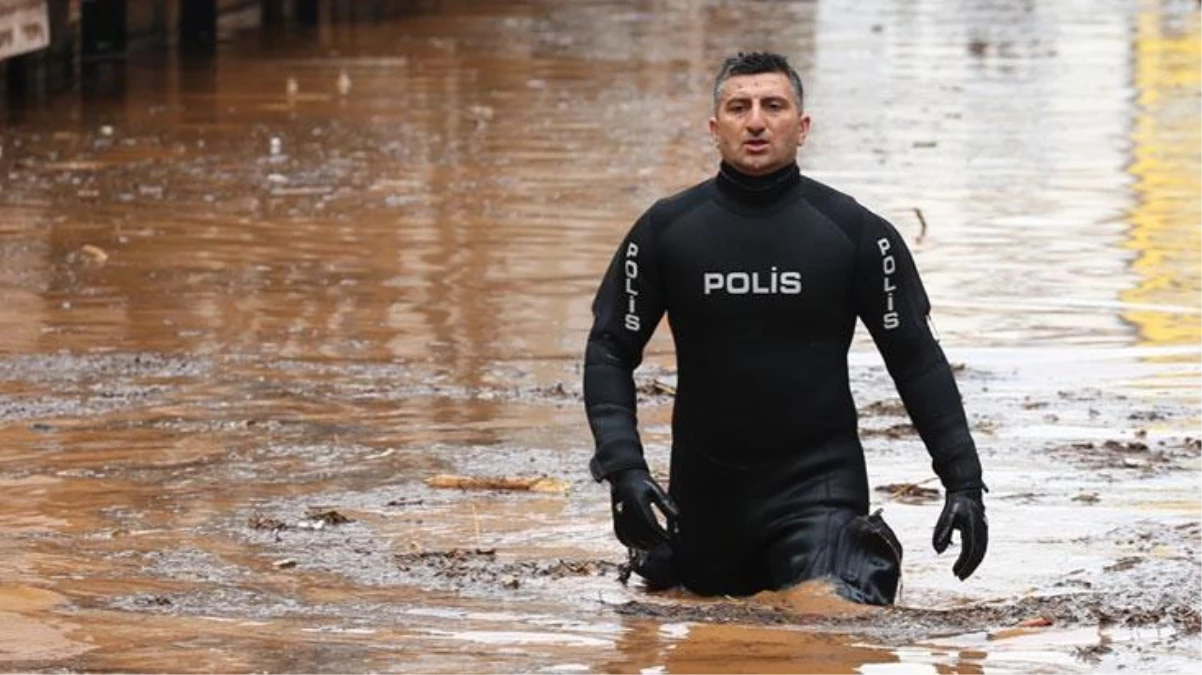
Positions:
(753, 63)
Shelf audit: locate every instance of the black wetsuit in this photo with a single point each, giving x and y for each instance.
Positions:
(762, 280)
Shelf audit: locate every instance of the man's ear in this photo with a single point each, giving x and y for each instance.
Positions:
(714, 129)
(803, 130)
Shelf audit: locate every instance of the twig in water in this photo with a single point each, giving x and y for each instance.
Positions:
(529, 483)
(922, 233)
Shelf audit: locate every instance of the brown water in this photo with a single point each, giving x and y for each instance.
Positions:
(207, 343)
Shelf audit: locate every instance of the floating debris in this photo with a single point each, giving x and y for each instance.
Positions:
(888, 407)
(523, 483)
(1021, 628)
(261, 522)
(482, 565)
(903, 430)
(913, 493)
(153, 601)
(406, 502)
(1127, 455)
(656, 388)
(480, 115)
(93, 254)
(326, 516)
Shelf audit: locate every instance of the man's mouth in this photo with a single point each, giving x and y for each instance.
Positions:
(756, 144)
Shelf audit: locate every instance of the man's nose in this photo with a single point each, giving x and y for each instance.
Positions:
(755, 121)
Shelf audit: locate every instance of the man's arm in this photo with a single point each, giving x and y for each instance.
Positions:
(893, 305)
(628, 306)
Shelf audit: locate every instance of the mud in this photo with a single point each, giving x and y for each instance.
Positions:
(253, 303)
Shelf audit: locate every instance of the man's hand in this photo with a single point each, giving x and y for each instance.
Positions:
(632, 492)
(963, 510)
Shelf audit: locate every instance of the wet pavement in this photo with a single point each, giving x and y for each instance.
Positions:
(252, 303)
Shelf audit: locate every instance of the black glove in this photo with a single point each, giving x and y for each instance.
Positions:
(963, 510)
(632, 492)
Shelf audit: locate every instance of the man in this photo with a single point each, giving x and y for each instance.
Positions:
(762, 273)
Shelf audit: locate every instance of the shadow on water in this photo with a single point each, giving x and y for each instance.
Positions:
(254, 300)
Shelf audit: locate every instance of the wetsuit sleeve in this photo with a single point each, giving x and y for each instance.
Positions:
(628, 306)
(892, 303)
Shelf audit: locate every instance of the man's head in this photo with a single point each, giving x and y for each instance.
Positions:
(758, 121)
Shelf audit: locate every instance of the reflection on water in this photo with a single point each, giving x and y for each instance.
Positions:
(322, 266)
(26, 638)
(977, 123)
(448, 193)
(716, 648)
(1166, 164)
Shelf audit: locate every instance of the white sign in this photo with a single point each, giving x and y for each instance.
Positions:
(24, 27)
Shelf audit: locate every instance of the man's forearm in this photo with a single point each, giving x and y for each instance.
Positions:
(933, 401)
(609, 399)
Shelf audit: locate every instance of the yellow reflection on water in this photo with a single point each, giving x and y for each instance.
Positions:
(1166, 162)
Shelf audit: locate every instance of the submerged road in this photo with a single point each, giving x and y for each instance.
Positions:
(251, 304)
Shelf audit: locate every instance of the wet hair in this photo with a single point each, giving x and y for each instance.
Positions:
(754, 63)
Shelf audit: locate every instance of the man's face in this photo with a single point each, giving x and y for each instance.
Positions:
(758, 125)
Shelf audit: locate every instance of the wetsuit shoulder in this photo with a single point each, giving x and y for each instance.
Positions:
(673, 208)
(841, 208)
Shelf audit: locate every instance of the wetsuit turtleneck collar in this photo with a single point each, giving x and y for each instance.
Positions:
(757, 190)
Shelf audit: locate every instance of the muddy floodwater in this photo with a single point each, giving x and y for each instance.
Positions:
(252, 303)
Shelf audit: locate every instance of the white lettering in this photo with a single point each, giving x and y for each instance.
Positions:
(741, 288)
(790, 283)
(631, 268)
(756, 288)
(753, 283)
(712, 281)
(890, 319)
